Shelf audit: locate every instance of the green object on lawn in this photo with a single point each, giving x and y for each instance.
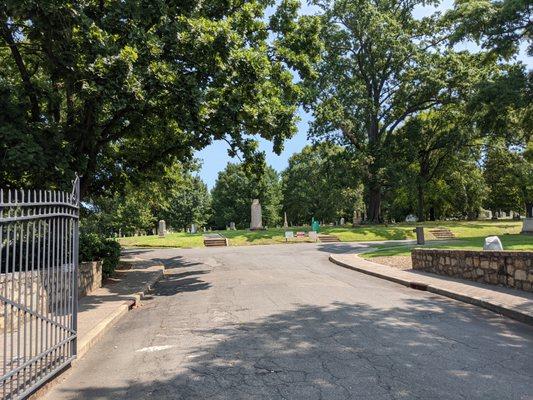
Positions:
(315, 225)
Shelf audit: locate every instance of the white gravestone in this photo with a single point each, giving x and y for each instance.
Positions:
(411, 218)
(193, 228)
(232, 226)
(493, 243)
(342, 221)
(256, 216)
(162, 229)
(313, 236)
(527, 226)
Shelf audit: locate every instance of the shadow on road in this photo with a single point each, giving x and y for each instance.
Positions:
(424, 349)
(180, 282)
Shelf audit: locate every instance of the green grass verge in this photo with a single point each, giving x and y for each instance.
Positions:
(510, 242)
(462, 229)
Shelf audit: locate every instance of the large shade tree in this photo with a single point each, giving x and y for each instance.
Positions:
(322, 181)
(116, 90)
(380, 66)
(234, 190)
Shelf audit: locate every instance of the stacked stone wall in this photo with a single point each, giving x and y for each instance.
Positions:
(512, 269)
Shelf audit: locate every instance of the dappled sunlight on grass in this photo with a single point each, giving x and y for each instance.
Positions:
(476, 230)
(510, 242)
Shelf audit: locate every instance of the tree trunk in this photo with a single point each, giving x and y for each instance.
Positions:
(423, 178)
(421, 206)
(374, 204)
(374, 187)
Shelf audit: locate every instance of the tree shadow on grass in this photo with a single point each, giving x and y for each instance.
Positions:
(426, 348)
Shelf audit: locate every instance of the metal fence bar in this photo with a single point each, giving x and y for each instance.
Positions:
(38, 286)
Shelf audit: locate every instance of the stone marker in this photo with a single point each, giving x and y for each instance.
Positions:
(492, 243)
(527, 225)
(485, 214)
(342, 221)
(256, 216)
(193, 228)
(411, 218)
(162, 229)
(357, 219)
(232, 226)
(313, 236)
(285, 223)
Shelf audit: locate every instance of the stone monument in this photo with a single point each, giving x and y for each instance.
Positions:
(357, 218)
(411, 218)
(313, 236)
(492, 243)
(485, 214)
(527, 224)
(232, 226)
(193, 228)
(285, 223)
(256, 216)
(162, 229)
(342, 221)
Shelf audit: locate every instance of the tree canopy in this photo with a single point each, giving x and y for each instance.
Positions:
(116, 91)
(380, 66)
(321, 181)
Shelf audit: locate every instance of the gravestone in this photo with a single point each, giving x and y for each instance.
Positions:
(232, 226)
(162, 229)
(527, 225)
(342, 221)
(411, 218)
(357, 219)
(193, 228)
(285, 223)
(485, 214)
(313, 236)
(256, 216)
(492, 243)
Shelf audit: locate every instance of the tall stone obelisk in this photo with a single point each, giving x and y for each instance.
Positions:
(256, 221)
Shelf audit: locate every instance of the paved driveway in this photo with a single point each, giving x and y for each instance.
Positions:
(281, 322)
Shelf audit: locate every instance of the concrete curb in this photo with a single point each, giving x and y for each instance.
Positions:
(490, 305)
(96, 333)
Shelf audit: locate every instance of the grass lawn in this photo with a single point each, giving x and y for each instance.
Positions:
(462, 229)
(509, 241)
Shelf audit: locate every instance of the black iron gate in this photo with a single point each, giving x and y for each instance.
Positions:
(38, 286)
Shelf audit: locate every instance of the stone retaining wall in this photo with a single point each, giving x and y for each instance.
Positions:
(32, 289)
(513, 269)
(89, 277)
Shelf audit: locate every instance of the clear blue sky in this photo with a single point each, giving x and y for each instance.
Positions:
(215, 157)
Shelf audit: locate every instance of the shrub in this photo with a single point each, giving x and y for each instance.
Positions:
(94, 247)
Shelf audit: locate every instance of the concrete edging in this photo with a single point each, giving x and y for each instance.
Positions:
(95, 334)
(480, 302)
(98, 331)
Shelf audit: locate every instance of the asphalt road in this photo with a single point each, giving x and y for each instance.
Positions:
(281, 322)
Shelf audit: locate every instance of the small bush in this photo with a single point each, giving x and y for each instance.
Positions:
(94, 247)
(111, 251)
